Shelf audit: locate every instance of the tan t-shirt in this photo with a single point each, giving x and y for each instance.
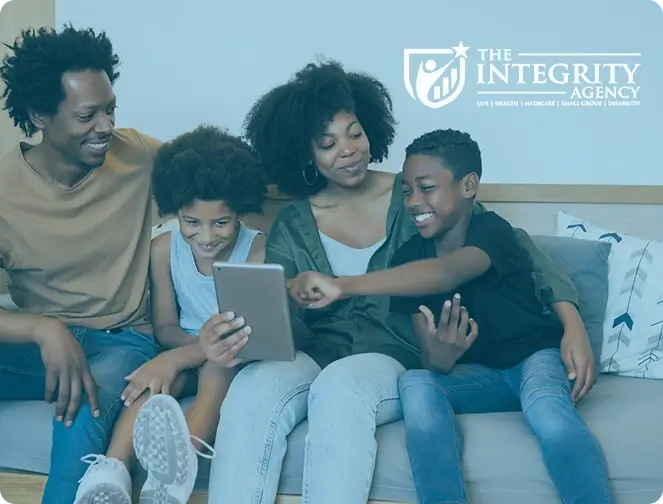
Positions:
(81, 254)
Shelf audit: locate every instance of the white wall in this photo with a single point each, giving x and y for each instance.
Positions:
(185, 63)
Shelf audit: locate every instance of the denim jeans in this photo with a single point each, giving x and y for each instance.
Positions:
(345, 402)
(111, 357)
(538, 387)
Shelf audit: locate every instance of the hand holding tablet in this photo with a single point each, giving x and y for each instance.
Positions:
(222, 337)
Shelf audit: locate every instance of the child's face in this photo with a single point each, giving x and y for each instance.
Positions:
(435, 201)
(209, 227)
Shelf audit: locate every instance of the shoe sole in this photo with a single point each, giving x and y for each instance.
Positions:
(104, 494)
(161, 442)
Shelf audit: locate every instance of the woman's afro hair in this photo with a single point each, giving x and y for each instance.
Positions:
(283, 123)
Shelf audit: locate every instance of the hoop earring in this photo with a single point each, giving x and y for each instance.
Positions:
(315, 179)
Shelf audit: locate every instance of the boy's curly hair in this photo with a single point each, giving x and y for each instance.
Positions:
(208, 164)
(459, 153)
(33, 73)
(282, 124)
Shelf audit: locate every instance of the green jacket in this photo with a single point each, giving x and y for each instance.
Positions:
(365, 324)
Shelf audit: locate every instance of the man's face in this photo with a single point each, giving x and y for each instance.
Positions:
(81, 128)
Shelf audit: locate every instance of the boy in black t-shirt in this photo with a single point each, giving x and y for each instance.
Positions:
(506, 358)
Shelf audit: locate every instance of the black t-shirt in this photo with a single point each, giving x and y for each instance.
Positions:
(503, 301)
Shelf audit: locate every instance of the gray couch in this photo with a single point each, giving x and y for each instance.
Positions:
(502, 459)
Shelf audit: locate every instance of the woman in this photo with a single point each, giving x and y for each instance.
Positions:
(319, 133)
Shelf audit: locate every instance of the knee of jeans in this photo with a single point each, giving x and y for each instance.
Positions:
(262, 385)
(362, 379)
(552, 419)
(419, 395)
(415, 377)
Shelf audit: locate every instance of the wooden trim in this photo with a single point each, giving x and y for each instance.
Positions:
(557, 193)
(563, 193)
(27, 488)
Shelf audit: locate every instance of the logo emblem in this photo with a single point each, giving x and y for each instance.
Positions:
(438, 80)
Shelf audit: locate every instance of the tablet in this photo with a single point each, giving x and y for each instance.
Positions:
(258, 293)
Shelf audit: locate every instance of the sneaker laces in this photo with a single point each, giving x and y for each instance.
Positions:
(96, 460)
(209, 456)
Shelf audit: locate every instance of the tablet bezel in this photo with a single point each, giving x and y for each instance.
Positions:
(258, 293)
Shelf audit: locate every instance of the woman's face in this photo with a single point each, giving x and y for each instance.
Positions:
(342, 153)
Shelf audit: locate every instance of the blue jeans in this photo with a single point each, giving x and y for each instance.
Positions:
(111, 357)
(538, 387)
(344, 404)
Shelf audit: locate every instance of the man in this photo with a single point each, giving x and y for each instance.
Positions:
(75, 229)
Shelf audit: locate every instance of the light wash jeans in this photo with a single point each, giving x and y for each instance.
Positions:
(111, 357)
(539, 387)
(266, 400)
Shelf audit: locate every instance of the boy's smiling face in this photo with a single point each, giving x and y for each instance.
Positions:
(434, 199)
(209, 227)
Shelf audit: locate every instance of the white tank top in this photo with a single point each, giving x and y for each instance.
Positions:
(345, 260)
(195, 292)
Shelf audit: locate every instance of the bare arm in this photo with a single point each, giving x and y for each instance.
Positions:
(420, 278)
(570, 317)
(164, 308)
(23, 328)
(419, 323)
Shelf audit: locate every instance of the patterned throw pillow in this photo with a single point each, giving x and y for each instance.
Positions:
(633, 326)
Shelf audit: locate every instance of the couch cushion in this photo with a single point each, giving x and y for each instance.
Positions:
(633, 326)
(502, 459)
(586, 262)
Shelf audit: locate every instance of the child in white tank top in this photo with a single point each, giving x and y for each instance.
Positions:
(208, 179)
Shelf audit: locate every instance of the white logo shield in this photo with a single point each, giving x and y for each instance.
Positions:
(438, 80)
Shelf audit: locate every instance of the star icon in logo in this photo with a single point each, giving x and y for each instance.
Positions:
(460, 50)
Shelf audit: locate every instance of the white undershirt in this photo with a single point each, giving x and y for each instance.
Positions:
(345, 260)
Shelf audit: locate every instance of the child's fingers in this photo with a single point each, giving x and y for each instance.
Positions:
(321, 303)
(454, 318)
(430, 319)
(446, 312)
(474, 332)
(463, 325)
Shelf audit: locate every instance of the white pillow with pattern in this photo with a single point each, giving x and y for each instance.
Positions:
(633, 327)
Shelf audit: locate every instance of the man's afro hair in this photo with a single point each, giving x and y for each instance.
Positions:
(33, 73)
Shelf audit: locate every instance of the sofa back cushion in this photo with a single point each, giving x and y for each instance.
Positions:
(586, 262)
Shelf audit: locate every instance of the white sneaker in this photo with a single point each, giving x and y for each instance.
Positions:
(163, 447)
(106, 481)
